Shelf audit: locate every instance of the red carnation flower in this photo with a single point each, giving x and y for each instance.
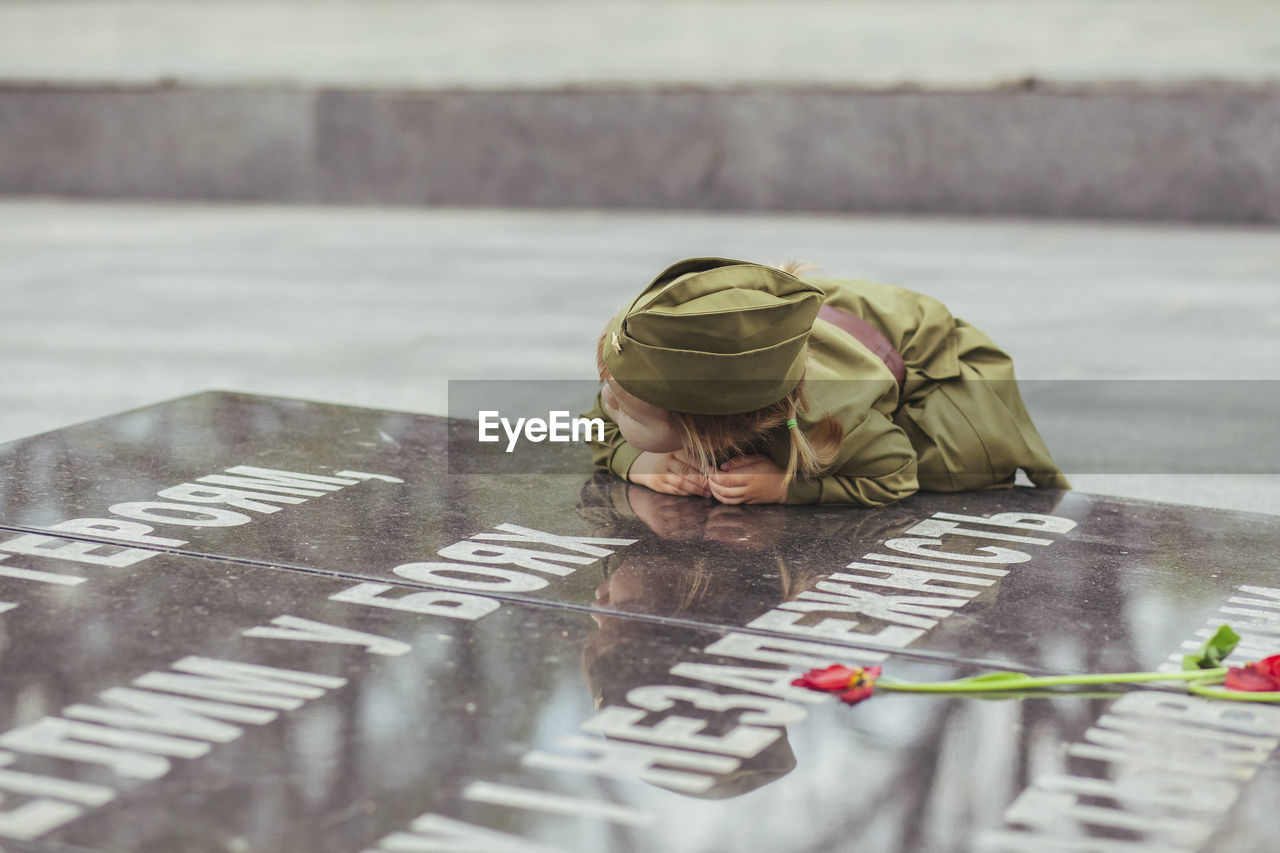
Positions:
(1271, 666)
(833, 679)
(852, 683)
(1257, 677)
(857, 694)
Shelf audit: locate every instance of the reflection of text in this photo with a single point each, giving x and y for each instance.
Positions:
(662, 737)
(1159, 767)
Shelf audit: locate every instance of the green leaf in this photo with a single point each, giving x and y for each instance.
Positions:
(1214, 651)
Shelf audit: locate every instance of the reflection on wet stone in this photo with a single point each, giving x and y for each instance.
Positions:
(240, 623)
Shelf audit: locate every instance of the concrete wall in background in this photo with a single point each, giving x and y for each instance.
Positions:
(1204, 153)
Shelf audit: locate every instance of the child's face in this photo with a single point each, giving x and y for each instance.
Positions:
(643, 425)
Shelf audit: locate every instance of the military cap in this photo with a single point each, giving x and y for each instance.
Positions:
(713, 336)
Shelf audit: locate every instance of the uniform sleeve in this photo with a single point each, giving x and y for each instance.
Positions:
(876, 466)
(614, 453)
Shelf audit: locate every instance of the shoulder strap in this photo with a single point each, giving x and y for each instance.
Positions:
(870, 337)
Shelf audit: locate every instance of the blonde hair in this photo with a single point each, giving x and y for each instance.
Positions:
(796, 268)
(711, 439)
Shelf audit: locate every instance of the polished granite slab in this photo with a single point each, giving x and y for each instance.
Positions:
(192, 704)
(570, 694)
(1082, 584)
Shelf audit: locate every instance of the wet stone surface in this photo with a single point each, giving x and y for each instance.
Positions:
(424, 685)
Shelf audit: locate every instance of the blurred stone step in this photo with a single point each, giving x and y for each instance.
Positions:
(1208, 152)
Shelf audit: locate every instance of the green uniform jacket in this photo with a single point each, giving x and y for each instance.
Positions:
(959, 422)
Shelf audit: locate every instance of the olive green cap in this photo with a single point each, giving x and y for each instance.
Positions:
(712, 336)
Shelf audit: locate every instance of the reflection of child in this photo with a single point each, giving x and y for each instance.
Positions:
(744, 383)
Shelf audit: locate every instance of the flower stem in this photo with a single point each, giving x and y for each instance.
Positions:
(996, 685)
(1214, 692)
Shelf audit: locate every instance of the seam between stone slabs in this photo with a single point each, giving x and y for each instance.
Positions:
(921, 655)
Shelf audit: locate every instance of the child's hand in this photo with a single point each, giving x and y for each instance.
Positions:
(749, 480)
(668, 473)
